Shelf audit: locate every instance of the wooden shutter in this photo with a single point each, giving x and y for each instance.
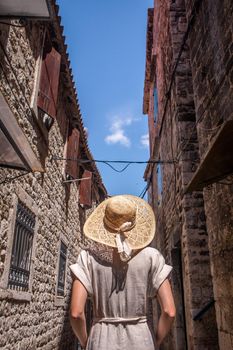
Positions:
(62, 121)
(49, 79)
(85, 189)
(72, 152)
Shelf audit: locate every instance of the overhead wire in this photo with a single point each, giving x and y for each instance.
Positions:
(83, 161)
(10, 179)
(146, 188)
(127, 162)
(108, 162)
(117, 170)
(23, 21)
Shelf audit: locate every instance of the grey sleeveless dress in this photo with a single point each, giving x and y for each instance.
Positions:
(120, 293)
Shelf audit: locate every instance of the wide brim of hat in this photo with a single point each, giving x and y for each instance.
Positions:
(139, 237)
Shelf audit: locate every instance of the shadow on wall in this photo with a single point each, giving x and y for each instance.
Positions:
(4, 35)
(67, 338)
(67, 197)
(35, 36)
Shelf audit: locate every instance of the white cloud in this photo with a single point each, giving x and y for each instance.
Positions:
(118, 137)
(117, 132)
(145, 140)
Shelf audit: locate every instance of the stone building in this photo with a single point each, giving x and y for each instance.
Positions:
(188, 97)
(42, 208)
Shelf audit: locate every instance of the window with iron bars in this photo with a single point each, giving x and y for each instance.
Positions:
(22, 248)
(62, 270)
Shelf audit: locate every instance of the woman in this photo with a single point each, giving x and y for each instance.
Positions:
(120, 278)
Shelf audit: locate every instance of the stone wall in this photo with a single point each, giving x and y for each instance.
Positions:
(211, 52)
(187, 223)
(39, 319)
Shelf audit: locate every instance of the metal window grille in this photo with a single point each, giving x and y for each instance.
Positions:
(22, 248)
(62, 270)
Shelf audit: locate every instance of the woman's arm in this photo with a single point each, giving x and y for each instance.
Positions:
(77, 315)
(168, 311)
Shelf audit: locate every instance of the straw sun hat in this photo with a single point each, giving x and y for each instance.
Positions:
(126, 222)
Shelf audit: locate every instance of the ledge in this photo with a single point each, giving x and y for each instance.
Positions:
(15, 295)
(217, 162)
(59, 301)
(17, 152)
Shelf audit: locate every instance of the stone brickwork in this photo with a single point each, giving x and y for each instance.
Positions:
(38, 319)
(192, 51)
(211, 53)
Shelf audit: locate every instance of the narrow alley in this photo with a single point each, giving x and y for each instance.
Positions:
(50, 181)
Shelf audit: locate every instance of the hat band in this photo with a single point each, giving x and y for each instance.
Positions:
(126, 226)
(123, 247)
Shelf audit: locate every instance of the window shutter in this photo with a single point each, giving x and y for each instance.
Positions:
(72, 153)
(62, 121)
(85, 189)
(49, 79)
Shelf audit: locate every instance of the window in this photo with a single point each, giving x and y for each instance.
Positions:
(82, 219)
(22, 249)
(159, 183)
(72, 153)
(49, 82)
(62, 270)
(155, 104)
(17, 276)
(46, 119)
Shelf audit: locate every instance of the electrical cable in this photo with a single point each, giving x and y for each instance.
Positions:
(210, 129)
(142, 195)
(23, 21)
(227, 182)
(117, 170)
(146, 188)
(10, 179)
(83, 161)
(127, 162)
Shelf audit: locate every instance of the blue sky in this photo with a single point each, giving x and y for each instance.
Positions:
(106, 43)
